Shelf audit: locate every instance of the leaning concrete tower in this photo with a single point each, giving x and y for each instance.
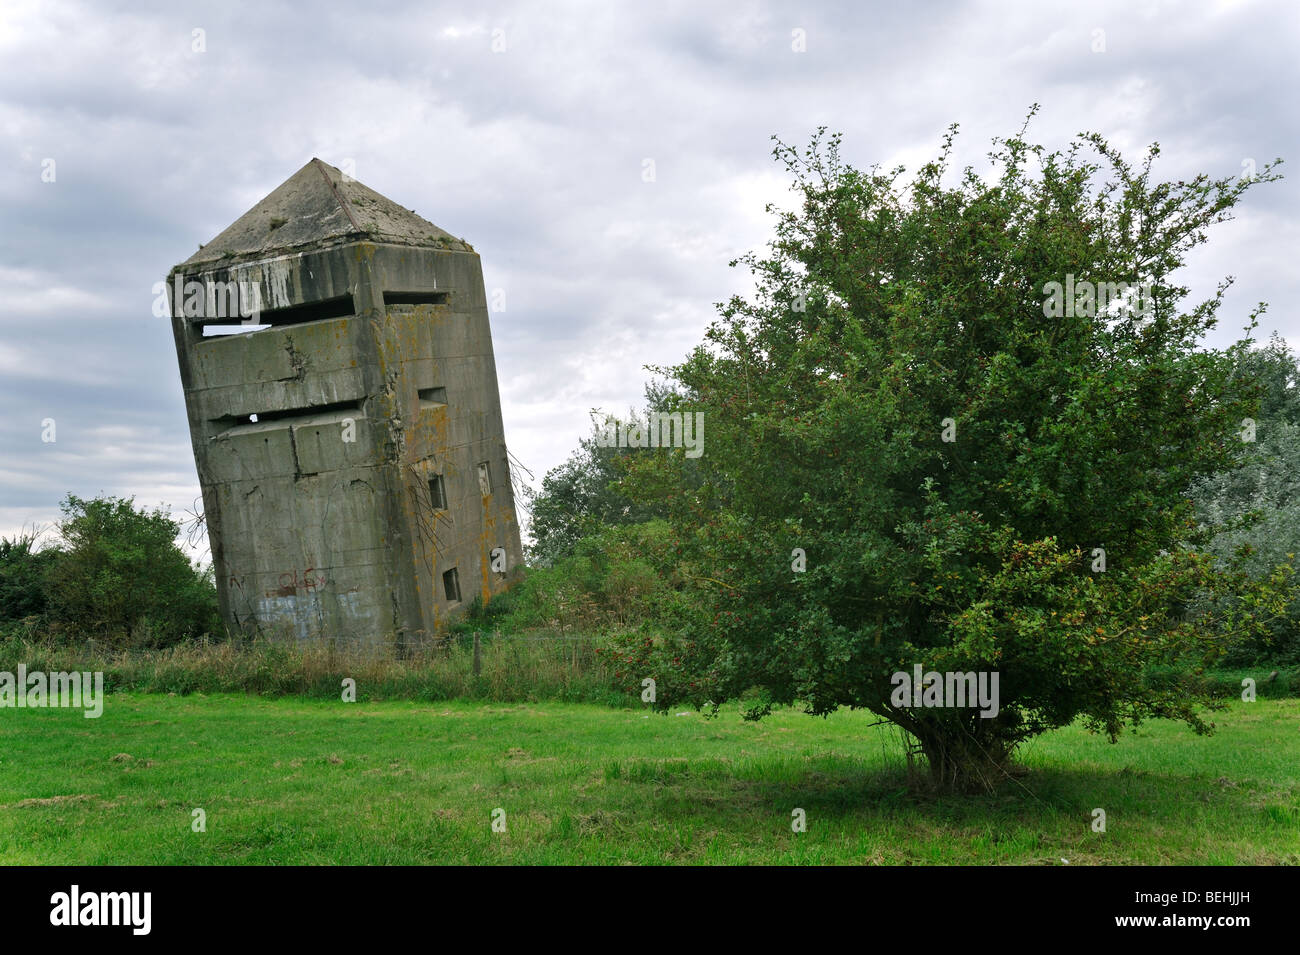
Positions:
(337, 365)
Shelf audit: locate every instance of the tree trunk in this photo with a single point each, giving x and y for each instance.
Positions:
(961, 761)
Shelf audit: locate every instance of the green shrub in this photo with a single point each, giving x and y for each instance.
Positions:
(120, 578)
(22, 577)
(617, 578)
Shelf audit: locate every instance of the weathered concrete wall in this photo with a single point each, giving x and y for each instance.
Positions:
(325, 537)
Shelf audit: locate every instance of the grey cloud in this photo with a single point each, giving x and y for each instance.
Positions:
(534, 155)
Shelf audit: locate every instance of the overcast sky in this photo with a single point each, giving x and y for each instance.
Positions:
(525, 128)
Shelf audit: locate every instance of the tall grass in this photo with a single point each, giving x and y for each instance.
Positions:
(512, 668)
(523, 667)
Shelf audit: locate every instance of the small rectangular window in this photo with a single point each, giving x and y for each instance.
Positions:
(451, 586)
(437, 493)
(484, 479)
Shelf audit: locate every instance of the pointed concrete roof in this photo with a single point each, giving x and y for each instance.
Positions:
(318, 205)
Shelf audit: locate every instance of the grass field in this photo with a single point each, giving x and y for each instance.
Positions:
(311, 782)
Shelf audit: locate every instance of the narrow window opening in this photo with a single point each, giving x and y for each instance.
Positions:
(484, 479)
(256, 417)
(437, 493)
(310, 410)
(338, 307)
(217, 331)
(451, 586)
(433, 396)
(309, 312)
(416, 298)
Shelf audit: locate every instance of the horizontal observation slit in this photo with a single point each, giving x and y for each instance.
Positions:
(253, 420)
(416, 298)
(339, 307)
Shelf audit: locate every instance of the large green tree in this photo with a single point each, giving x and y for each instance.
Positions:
(951, 444)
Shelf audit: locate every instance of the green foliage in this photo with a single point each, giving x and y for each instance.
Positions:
(575, 499)
(888, 319)
(1254, 509)
(617, 578)
(121, 578)
(585, 493)
(23, 567)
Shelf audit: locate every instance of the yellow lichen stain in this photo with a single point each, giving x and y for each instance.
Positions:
(365, 251)
(486, 544)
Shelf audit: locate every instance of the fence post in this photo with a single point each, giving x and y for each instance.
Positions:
(478, 659)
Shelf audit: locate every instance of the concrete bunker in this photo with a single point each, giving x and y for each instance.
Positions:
(345, 417)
